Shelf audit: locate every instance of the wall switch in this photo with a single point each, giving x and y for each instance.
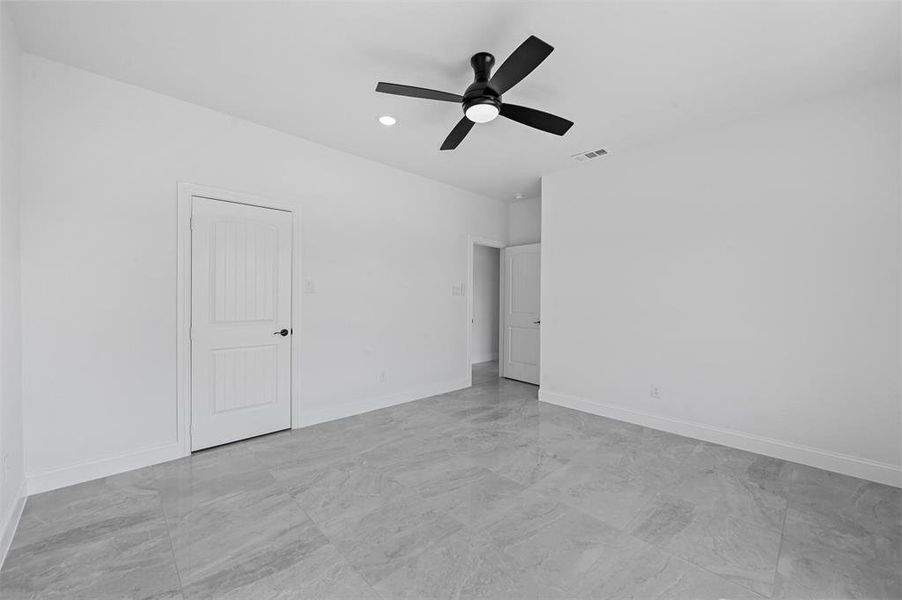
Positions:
(655, 392)
(309, 286)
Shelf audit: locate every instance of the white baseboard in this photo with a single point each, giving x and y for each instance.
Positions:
(485, 358)
(365, 405)
(57, 478)
(10, 522)
(815, 457)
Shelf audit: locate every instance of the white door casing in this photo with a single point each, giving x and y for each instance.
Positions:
(520, 312)
(240, 298)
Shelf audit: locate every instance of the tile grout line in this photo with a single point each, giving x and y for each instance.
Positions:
(175, 562)
(324, 534)
(623, 530)
(695, 564)
(663, 490)
(783, 526)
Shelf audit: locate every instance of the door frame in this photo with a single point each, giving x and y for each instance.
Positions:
(187, 191)
(475, 240)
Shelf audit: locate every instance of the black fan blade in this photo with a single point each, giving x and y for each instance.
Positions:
(457, 134)
(416, 92)
(521, 63)
(536, 118)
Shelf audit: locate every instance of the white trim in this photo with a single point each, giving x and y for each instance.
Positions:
(474, 240)
(815, 457)
(11, 522)
(365, 405)
(186, 191)
(57, 478)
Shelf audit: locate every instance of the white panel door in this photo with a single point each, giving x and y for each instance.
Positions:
(520, 310)
(240, 321)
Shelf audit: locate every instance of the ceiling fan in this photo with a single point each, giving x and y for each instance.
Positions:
(482, 100)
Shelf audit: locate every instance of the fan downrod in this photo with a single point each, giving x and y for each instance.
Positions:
(479, 92)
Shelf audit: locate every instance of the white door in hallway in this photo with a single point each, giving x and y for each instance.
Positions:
(240, 321)
(520, 308)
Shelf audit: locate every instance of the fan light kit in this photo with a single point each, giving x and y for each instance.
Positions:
(482, 113)
(387, 120)
(481, 102)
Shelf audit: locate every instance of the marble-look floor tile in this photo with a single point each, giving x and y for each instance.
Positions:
(463, 565)
(80, 505)
(718, 492)
(564, 443)
(208, 476)
(319, 447)
(468, 494)
(840, 543)
(383, 539)
(242, 537)
(318, 572)
(557, 544)
(635, 570)
(120, 557)
(612, 494)
(481, 493)
(526, 463)
(485, 372)
(869, 506)
(105, 538)
(811, 570)
(413, 460)
(477, 439)
(844, 534)
(713, 461)
(716, 540)
(338, 490)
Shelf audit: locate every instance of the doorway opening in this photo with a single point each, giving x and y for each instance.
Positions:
(503, 313)
(485, 319)
(483, 326)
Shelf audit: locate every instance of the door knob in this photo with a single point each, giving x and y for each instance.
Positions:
(282, 332)
(536, 322)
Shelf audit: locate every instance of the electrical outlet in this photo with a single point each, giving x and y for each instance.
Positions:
(655, 392)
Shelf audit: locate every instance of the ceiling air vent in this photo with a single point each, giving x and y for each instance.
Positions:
(589, 155)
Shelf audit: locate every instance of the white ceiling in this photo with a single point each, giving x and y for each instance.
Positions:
(625, 72)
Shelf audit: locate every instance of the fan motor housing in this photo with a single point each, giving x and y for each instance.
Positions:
(479, 92)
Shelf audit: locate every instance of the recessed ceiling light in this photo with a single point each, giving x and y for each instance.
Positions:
(387, 120)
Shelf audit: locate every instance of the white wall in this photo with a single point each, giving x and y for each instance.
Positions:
(100, 164)
(751, 272)
(486, 303)
(12, 475)
(525, 221)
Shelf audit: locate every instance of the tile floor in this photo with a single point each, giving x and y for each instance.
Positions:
(481, 493)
